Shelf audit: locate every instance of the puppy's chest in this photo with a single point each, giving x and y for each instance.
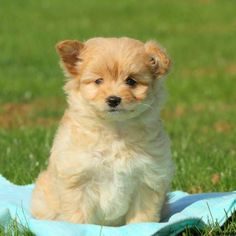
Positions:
(117, 167)
(115, 196)
(117, 177)
(118, 154)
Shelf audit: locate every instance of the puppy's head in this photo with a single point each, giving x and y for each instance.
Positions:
(115, 77)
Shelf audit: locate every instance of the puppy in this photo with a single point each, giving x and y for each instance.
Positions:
(110, 163)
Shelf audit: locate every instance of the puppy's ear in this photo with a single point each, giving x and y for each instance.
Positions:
(69, 51)
(159, 62)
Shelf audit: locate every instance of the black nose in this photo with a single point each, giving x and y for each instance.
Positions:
(113, 101)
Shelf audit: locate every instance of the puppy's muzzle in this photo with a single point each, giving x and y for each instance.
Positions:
(113, 101)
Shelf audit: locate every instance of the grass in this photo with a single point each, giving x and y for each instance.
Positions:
(15, 229)
(201, 110)
(215, 230)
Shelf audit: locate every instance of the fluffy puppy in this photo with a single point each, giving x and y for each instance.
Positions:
(110, 163)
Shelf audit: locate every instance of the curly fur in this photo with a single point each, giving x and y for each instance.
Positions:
(108, 168)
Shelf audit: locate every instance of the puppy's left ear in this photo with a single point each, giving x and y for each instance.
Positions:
(159, 62)
(69, 51)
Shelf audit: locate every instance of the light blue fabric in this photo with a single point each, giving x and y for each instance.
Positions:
(185, 210)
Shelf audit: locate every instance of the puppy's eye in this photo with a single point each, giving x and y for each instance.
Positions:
(131, 82)
(98, 81)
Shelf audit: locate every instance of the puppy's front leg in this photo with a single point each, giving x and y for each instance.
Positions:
(45, 202)
(146, 206)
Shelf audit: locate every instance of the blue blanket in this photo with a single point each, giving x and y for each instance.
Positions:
(185, 211)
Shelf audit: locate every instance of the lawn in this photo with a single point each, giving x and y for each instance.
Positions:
(200, 114)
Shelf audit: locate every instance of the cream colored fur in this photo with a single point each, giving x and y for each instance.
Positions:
(108, 169)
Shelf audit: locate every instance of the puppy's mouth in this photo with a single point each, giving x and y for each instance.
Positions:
(120, 114)
(115, 110)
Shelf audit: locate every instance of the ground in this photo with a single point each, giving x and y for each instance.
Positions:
(199, 115)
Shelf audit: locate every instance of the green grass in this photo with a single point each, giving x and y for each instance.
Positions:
(200, 114)
(15, 229)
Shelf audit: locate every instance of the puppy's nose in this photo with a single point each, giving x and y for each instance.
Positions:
(113, 101)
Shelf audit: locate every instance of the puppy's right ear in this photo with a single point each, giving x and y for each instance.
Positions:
(69, 51)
